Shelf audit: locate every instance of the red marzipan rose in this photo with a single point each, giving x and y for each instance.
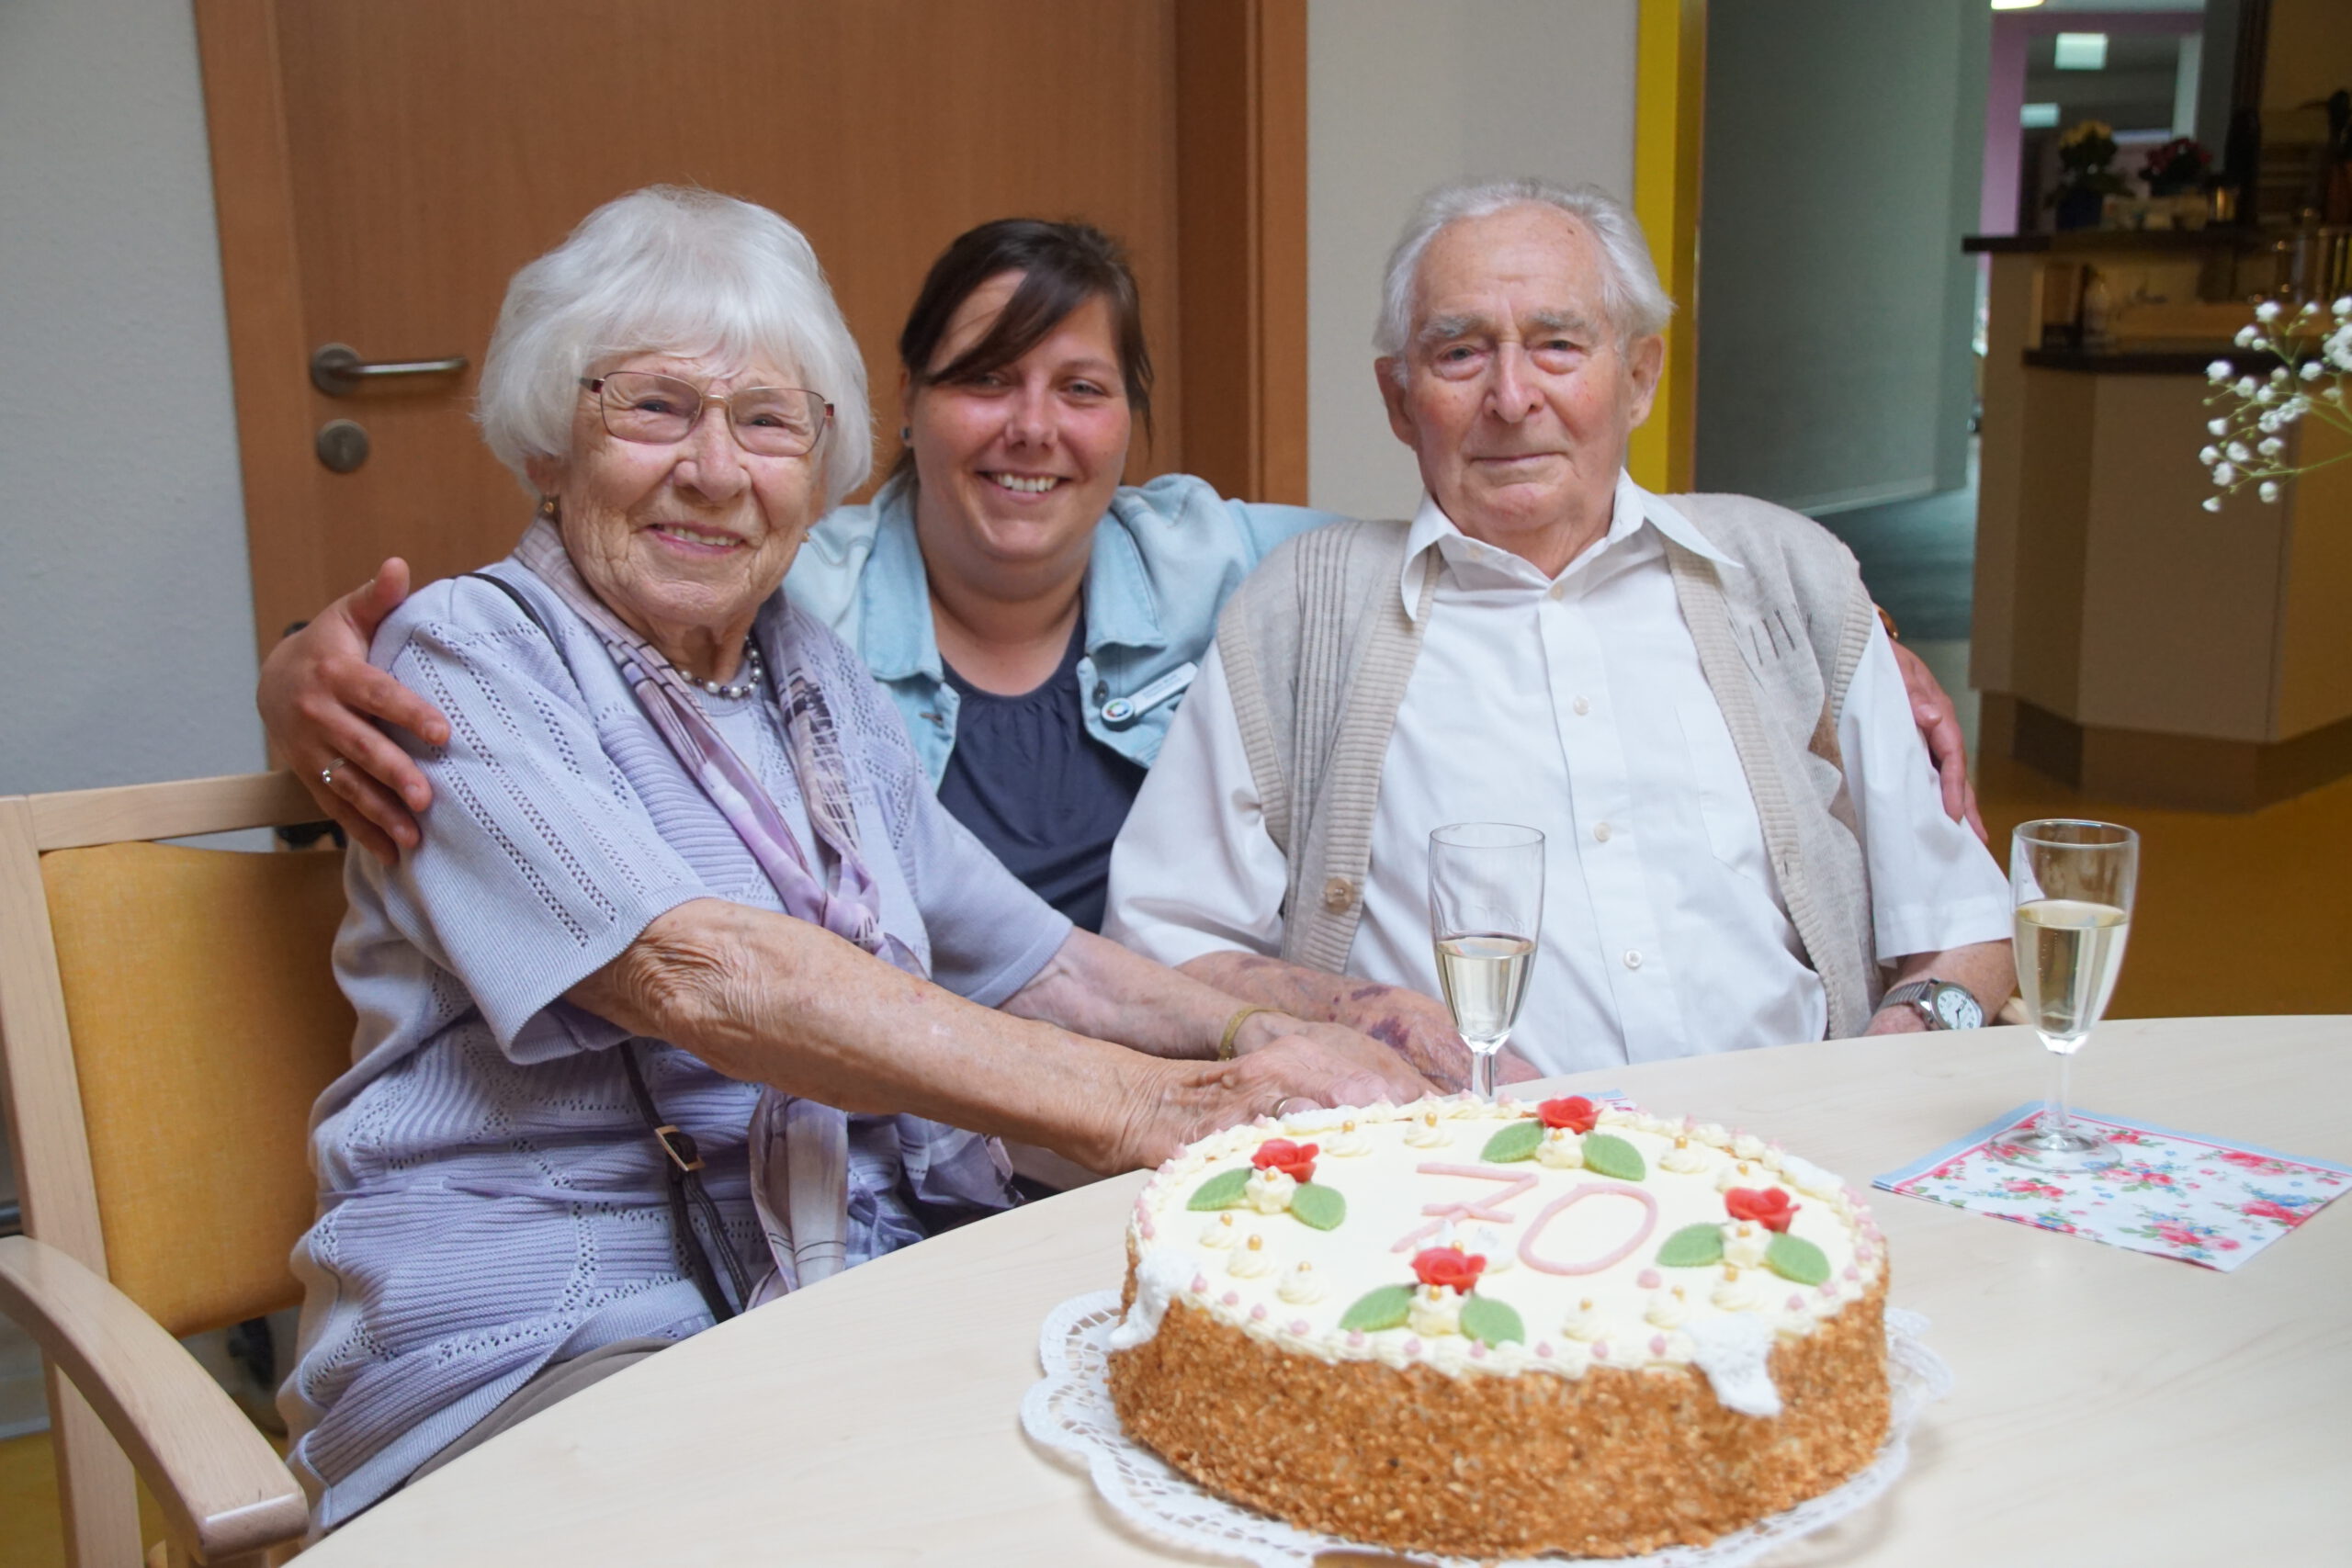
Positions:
(1294, 1161)
(1769, 1207)
(1576, 1113)
(1449, 1266)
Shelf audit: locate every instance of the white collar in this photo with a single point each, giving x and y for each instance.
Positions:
(1631, 508)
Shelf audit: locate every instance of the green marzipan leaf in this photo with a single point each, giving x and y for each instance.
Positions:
(1222, 1191)
(1386, 1307)
(1491, 1321)
(1516, 1142)
(1692, 1246)
(1614, 1157)
(1318, 1205)
(1793, 1258)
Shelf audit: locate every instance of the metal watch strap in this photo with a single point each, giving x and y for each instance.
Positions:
(1914, 994)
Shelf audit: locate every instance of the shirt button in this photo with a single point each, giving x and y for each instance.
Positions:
(1582, 707)
(1600, 832)
(1339, 895)
(1560, 590)
(1633, 958)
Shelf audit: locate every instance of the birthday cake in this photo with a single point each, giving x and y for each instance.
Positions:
(1497, 1330)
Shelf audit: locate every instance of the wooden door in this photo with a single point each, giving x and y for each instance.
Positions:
(383, 166)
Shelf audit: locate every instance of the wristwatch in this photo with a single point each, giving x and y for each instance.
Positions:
(1940, 1003)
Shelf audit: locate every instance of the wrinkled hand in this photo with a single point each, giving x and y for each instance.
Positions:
(1367, 1054)
(1932, 710)
(318, 694)
(1421, 1031)
(1173, 1102)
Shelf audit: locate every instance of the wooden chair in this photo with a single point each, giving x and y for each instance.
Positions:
(167, 1016)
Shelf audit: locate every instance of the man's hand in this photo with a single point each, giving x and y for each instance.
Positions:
(1170, 1103)
(318, 694)
(1932, 710)
(1896, 1020)
(1421, 1031)
(1414, 1025)
(1265, 1030)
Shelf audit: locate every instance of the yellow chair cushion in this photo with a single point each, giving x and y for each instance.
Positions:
(200, 992)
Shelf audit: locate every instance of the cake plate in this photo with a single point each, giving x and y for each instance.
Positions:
(1069, 1413)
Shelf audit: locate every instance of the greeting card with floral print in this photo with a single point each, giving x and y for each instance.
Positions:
(2174, 1194)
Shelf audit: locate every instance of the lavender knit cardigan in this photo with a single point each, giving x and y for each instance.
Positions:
(489, 1199)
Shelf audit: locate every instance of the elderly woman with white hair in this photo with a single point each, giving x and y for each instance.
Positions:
(695, 995)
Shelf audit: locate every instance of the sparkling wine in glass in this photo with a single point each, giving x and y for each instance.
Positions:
(1485, 914)
(2072, 884)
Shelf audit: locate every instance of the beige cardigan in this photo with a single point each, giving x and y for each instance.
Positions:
(1317, 650)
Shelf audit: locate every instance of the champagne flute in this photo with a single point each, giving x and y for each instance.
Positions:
(1486, 913)
(2071, 883)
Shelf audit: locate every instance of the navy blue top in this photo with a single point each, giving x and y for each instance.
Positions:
(1043, 795)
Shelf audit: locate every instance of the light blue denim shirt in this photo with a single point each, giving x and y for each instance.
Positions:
(1166, 555)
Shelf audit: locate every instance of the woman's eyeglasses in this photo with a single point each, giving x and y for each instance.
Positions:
(662, 410)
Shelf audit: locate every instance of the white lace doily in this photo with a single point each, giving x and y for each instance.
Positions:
(1069, 1413)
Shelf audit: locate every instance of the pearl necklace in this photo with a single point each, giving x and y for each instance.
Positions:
(738, 690)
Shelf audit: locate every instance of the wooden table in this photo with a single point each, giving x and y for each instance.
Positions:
(2112, 1407)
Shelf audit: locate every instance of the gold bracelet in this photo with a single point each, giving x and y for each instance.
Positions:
(1233, 1027)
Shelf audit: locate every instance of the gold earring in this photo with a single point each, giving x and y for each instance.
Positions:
(548, 508)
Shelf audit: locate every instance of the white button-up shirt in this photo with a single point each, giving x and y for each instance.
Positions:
(1575, 704)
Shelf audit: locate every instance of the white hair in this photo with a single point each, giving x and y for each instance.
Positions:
(1629, 293)
(671, 270)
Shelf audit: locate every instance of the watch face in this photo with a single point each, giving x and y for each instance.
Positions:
(1957, 1008)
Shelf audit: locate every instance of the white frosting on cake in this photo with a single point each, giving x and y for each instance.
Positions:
(1588, 1285)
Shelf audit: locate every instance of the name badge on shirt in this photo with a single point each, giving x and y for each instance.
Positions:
(1120, 712)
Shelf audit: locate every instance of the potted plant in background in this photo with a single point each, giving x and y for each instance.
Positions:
(2176, 172)
(2084, 180)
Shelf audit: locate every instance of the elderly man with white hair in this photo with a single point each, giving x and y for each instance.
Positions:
(1692, 699)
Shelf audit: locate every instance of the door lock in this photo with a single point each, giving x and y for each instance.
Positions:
(343, 445)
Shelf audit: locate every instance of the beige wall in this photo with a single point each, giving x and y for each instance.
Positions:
(1402, 94)
(125, 616)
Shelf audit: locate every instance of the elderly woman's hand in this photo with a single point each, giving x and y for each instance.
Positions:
(1173, 1102)
(318, 696)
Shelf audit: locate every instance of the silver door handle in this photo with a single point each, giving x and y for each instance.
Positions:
(338, 371)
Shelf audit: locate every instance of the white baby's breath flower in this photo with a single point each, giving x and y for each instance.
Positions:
(2223, 473)
(2266, 396)
(2278, 375)
(2212, 503)
(2312, 370)
(2218, 372)
(2246, 386)
(2208, 456)
(2269, 490)
(2267, 312)
(2238, 453)
(2267, 425)
(2270, 447)
(2343, 306)
(2244, 338)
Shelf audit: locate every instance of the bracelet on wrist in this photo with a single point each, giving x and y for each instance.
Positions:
(1233, 1028)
